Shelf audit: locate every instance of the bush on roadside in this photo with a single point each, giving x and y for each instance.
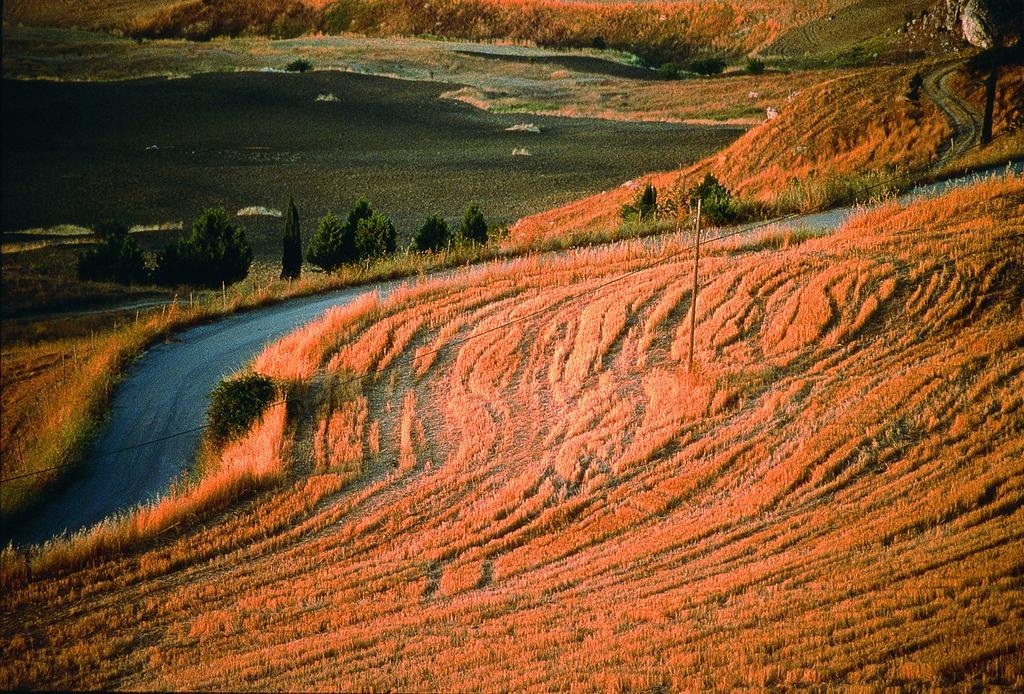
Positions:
(118, 258)
(755, 66)
(718, 205)
(361, 210)
(236, 404)
(332, 244)
(474, 227)
(434, 235)
(214, 251)
(375, 237)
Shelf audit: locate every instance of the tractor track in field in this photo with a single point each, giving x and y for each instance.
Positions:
(158, 409)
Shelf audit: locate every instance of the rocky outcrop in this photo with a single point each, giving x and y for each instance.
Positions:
(974, 19)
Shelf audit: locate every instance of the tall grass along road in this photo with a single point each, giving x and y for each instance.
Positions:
(163, 394)
(163, 399)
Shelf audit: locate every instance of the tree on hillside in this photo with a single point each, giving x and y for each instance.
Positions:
(215, 251)
(434, 235)
(995, 27)
(118, 258)
(474, 226)
(644, 208)
(291, 252)
(375, 237)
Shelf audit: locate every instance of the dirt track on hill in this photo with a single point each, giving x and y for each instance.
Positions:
(965, 122)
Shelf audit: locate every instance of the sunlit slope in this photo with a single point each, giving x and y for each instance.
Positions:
(84, 14)
(722, 24)
(851, 132)
(836, 495)
(860, 22)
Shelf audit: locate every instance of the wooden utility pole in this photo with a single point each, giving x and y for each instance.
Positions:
(990, 100)
(693, 301)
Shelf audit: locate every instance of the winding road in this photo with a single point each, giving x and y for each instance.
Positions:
(964, 121)
(142, 449)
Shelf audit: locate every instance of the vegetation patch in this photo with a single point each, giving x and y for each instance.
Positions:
(236, 404)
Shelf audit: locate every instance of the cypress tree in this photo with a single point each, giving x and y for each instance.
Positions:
(291, 256)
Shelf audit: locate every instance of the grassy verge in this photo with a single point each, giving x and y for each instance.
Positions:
(43, 438)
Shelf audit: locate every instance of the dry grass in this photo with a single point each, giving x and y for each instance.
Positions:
(834, 498)
(830, 142)
(42, 437)
(86, 14)
(679, 27)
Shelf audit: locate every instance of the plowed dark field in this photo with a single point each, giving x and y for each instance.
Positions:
(153, 151)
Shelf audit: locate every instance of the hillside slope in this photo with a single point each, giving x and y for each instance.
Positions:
(835, 496)
(842, 138)
(661, 30)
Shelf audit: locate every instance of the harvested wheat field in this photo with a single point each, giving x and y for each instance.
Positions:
(829, 143)
(534, 493)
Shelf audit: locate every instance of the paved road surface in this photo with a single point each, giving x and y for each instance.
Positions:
(162, 393)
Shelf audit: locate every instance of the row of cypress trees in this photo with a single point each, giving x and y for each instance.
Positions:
(367, 235)
(215, 250)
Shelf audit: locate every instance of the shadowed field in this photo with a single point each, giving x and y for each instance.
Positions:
(158, 150)
(833, 497)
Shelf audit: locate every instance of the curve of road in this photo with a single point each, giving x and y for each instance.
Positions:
(964, 121)
(166, 392)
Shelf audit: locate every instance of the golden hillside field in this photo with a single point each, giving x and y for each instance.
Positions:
(849, 132)
(536, 494)
(665, 25)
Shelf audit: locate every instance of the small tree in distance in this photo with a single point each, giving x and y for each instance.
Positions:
(433, 235)
(375, 237)
(291, 253)
(474, 226)
(329, 243)
(644, 208)
(215, 251)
